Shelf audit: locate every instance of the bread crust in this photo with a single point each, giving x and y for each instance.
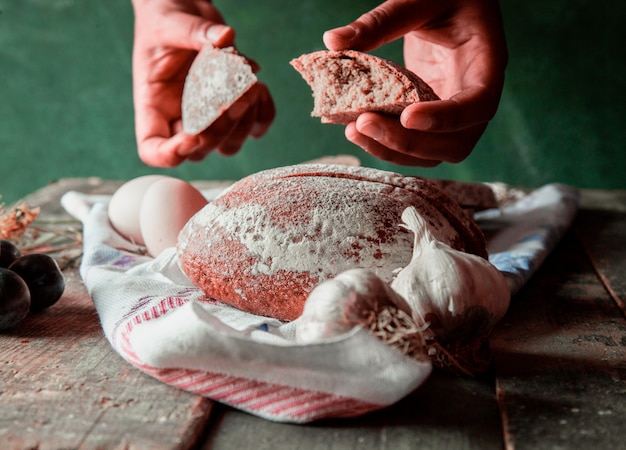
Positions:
(266, 242)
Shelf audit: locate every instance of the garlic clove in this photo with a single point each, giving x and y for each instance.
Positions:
(323, 314)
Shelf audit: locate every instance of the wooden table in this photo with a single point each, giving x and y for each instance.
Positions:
(559, 378)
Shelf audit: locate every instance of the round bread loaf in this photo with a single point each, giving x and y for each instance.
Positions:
(348, 83)
(269, 239)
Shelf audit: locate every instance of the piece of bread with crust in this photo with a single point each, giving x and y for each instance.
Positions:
(269, 239)
(348, 83)
(216, 79)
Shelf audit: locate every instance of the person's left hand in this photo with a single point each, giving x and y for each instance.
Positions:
(459, 49)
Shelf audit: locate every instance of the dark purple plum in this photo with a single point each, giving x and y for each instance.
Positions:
(14, 299)
(43, 277)
(8, 253)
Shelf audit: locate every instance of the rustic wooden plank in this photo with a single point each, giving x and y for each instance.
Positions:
(601, 227)
(446, 412)
(560, 360)
(61, 384)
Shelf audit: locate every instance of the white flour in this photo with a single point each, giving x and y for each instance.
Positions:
(319, 245)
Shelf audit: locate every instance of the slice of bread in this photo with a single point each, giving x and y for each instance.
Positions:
(348, 83)
(216, 79)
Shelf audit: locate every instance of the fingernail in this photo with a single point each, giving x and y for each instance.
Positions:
(217, 32)
(422, 122)
(372, 130)
(346, 33)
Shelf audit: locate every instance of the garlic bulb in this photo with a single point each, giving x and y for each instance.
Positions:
(358, 297)
(458, 296)
(333, 307)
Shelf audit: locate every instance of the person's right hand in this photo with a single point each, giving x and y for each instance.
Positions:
(168, 36)
(458, 47)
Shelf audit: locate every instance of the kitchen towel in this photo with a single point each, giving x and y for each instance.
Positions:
(162, 324)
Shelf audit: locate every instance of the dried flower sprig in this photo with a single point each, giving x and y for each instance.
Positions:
(18, 226)
(14, 223)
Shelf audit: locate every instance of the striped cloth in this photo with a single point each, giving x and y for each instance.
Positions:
(163, 325)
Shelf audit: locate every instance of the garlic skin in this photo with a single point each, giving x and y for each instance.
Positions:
(337, 305)
(458, 296)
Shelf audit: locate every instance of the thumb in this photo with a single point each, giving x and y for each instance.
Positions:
(194, 32)
(385, 23)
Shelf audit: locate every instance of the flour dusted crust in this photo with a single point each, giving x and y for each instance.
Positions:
(216, 79)
(268, 240)
(348, 83)
(470, 196)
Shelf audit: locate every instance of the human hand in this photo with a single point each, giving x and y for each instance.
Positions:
(458, 47)
(168, 36)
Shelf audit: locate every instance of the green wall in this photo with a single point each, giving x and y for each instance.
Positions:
(66, 109)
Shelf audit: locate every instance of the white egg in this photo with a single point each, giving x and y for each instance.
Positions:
(166, 207)
(125, 203)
